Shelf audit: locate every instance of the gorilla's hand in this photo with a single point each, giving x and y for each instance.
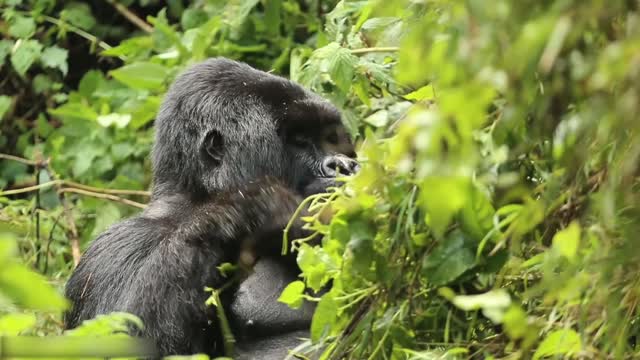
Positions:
(319, 185)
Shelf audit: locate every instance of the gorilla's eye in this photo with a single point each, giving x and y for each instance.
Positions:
(300, 140)
(332, 138)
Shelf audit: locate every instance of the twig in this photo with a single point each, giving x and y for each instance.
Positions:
(374, 50)
(103, 196)
(71, 184)
(46, 252)
(74, 239)
(73, 230)
(19, 159)
(133, 18)
(77, 31)
(31, 188)
(106, 191)
(227, 334)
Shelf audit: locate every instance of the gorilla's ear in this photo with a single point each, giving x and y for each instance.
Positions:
(213, 146)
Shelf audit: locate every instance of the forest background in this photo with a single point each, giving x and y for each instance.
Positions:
(496, 213)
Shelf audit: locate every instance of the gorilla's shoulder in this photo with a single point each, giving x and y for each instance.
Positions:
(131, 235)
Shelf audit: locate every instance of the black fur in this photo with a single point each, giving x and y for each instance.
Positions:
(235, 151)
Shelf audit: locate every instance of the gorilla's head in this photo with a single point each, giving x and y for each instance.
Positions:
(224, 124)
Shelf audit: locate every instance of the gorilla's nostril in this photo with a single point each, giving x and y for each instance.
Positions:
(333, 165)
(330, 166)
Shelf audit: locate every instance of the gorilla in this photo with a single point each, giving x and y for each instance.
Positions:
(236, 150)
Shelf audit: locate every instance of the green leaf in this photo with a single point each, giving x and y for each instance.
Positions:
(78, 14)
(477, 214)
(341, 68)
(107, 324)
(22, 27)
(515, 323)
(443, 197)
(378, 118)
(55, 58)
(324, 317)
(5, 104)
(493, 304)
(24, 287)
(5, 49)
(75, 110)
(236, 11)
(142, 75)
(25, 54)
(193, 17)
(90, 83)
(119, 120)
(315, 264)
(559, 342)
(566, 241)
(424, 93)
(105, 216)
(450, 259)
(292, 295)
(14, 324)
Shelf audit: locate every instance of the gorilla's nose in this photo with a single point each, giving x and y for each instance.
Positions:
(339, 164)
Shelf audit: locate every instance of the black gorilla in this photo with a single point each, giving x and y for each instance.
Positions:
(236, 150)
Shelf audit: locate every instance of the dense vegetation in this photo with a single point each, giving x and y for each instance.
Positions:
(497, 207)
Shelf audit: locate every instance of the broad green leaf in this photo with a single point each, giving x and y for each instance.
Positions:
(14, 324)
(424, 93)
(108, 324)
(5, 49)
(119, 120)
(292, 295)
(323, 317)
(493, 304)
(515, 322)
(24, 287)
(25, 54)
(22, 27)
(55, 58)
(477, 213)
(90, 82)
(451, 258)
(566, 241)
(559, 342)
(142, 75)
(105, 216)
(78, 14)
(236, 11)
(378, 118)
(341, 68)
(193, 17)
(5, 104)
(315, 264)
(75, 110)
(442, 197)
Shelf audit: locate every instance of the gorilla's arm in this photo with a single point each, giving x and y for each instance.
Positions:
(157, 265)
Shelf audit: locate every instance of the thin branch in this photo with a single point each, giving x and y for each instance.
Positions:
(374, 50)
(77, 31)
(103, 196)
(133, 18)
(49, 239)
(31, 188)
(19, 159)
(106, 191)
(75, 185)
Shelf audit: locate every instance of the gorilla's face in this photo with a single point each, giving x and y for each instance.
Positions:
(224, 124)
(318, 155)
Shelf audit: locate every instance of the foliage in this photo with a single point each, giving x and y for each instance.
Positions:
(496, 208)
